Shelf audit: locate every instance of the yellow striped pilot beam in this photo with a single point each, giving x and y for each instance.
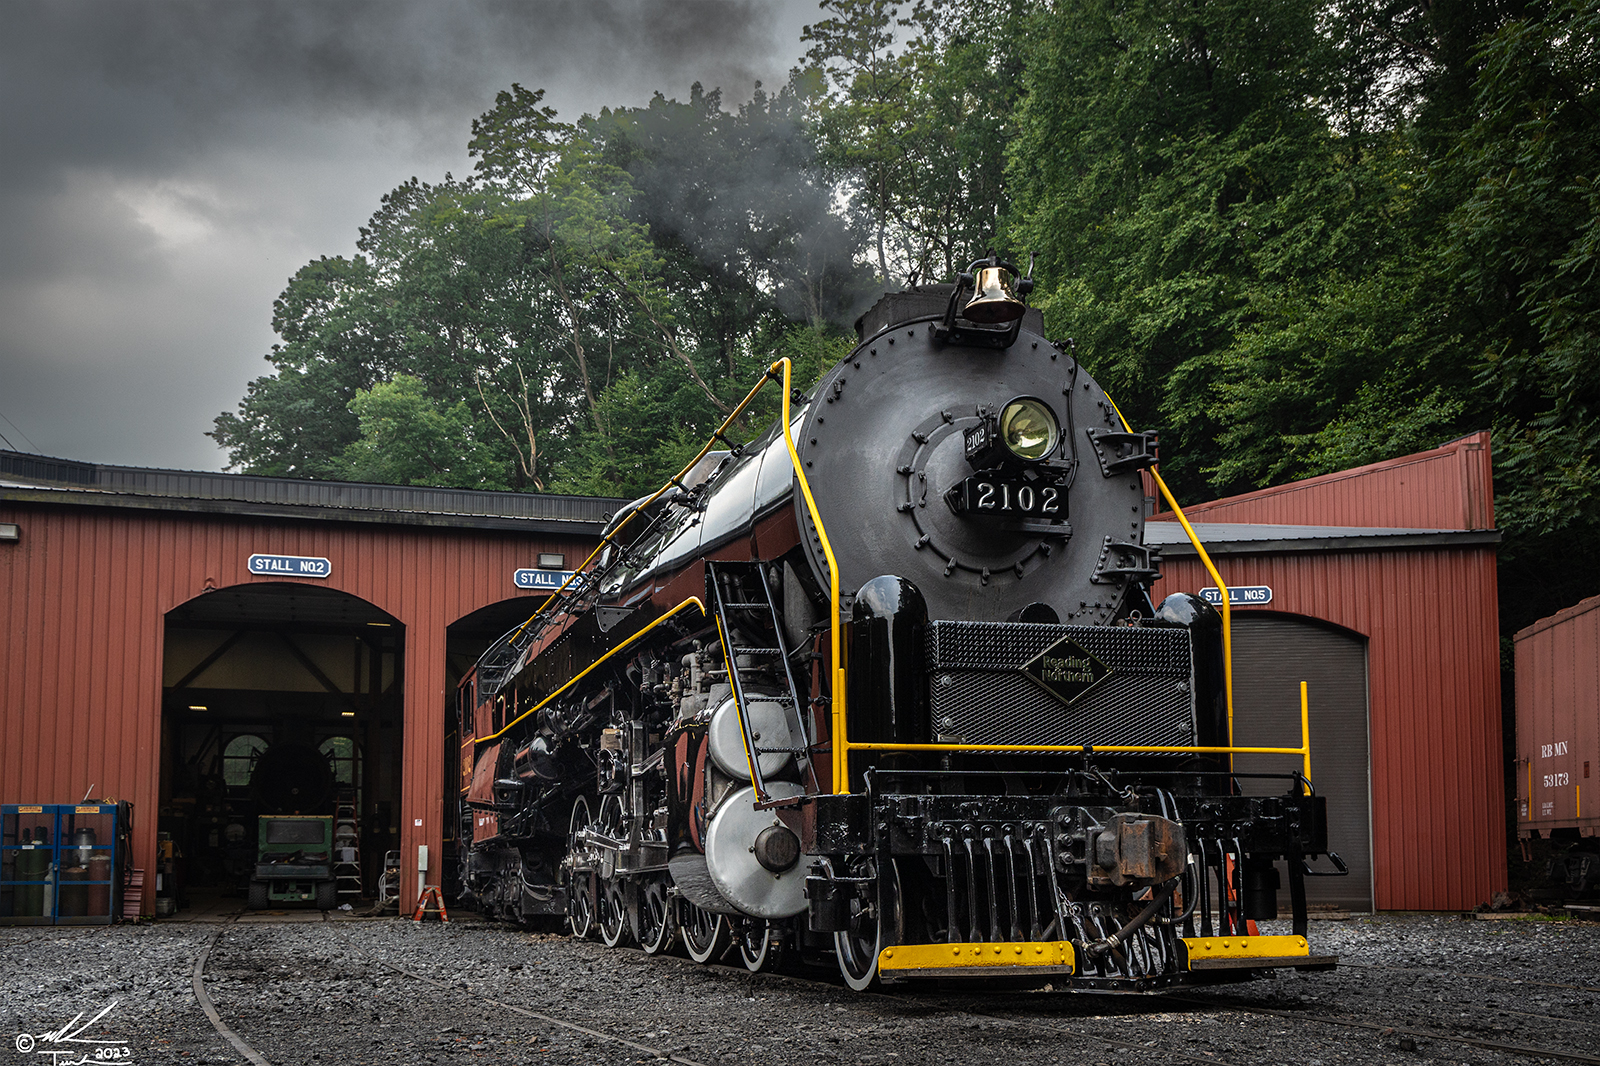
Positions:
(1248, 953)
(1057, 956)
(976, 960)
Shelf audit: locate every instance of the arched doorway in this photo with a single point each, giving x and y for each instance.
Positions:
(1272, 654)
(277, 675)
(465, 640)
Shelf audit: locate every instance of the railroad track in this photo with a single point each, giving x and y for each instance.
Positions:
(257, 1059)
(1472, 976)
(960, 1011)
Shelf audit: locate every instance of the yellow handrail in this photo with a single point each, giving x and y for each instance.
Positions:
(841, 743)
(1069, 749)
(744, 723)
(692, 601)
(674, 480)
(1304, 750)
(1205, 559)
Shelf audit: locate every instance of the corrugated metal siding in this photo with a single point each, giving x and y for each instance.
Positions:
(83, 596)
(1430, 617)
(1446, 488)
(1558, 721)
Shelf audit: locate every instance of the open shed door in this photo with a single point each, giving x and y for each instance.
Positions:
(1272, 654)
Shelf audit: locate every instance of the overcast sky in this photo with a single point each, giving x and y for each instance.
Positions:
(165, 166)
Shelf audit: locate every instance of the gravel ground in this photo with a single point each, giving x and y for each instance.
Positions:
(325, 993)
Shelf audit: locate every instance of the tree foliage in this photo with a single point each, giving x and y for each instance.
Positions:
(1292, 235)
(588, 285)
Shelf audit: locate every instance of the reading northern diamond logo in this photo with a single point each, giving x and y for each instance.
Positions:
(1065, 670)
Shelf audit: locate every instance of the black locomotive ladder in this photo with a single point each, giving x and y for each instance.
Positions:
(779, 650)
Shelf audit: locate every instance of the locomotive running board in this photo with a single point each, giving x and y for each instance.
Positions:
(976, 960)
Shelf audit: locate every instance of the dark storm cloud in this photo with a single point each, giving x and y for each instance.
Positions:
(135, 82)
(164, 167)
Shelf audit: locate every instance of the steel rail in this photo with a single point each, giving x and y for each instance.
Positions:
(197, 978)
(952, 1011)
(1473, 976)
(1217, 1006)
(598, 1034)
(255, 1057)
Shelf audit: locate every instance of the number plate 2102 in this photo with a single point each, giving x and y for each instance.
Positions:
(1010, 496)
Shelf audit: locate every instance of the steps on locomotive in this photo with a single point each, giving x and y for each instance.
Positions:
(738, 577)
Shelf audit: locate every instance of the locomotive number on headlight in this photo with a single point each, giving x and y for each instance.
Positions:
(1012, 496)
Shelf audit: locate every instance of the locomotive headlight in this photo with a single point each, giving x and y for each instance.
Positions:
(1025, 431)
(1028, 429)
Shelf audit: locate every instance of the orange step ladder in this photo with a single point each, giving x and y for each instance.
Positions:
(430, 894)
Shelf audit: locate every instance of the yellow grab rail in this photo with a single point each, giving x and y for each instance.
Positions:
(841, 743)
(692, 601)
(744, 722)
(839, 758)
(1304, 750)
(676, 479)
(1205, 559)
(1305, 735)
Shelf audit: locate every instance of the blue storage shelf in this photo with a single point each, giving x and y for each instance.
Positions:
(62, 863)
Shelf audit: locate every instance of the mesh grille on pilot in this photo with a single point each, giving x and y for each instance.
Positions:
(980, 694)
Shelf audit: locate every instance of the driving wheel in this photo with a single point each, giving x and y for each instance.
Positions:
(611, 901)
(705, 935)
(760, 945)
(658, 923)
(580, 879)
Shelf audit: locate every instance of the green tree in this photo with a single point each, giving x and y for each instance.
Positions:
(912, 114)
(569, 293)
(1172, 169)
(1526, 242)
(410, 438)
(334, 342)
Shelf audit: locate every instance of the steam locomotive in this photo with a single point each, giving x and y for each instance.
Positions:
(884, 688)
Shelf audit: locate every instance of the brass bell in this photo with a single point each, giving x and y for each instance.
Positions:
(993, 300)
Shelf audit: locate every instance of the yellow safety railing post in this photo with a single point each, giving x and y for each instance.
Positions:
(1305, 736)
